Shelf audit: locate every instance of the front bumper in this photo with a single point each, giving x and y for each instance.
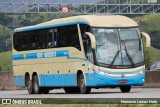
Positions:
(97, 80)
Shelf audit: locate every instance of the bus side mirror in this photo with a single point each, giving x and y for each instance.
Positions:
(148, 39)
(92, 38)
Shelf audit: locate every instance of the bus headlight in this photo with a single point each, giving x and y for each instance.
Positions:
(101, 72)
(141, 72)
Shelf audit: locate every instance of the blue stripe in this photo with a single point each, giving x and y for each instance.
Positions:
(92, 79)
(31, 55)
(51, 26)
(58, 80)
(18, 57)
(19, 81)
(51, 54)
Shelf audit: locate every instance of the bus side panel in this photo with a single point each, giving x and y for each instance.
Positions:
(19, 79)
(38, 69)
(46, 78)
(70, 74)
(53, 75)
(58, 79)
(90, 79)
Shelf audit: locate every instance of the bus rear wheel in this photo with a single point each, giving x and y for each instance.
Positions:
(37, 88)
(83, 88)
(30, 87)
(125, 89)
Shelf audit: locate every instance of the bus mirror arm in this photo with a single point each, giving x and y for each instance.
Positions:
(92, 38)
(148, 39)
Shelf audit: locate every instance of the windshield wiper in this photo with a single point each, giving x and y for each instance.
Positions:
(129, 56)
(114, 59)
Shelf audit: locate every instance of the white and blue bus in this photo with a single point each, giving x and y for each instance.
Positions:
(79, 53)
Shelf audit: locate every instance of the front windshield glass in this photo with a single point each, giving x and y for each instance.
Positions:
(120, 47)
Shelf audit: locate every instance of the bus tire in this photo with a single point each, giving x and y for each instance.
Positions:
(30, 87)
(125, 89)
(46, 91)
(37, 88)
(71, 90)
(83, 88)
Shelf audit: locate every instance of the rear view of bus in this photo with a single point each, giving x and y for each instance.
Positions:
(89, 51)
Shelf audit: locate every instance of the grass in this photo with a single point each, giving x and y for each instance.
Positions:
(86, 105)
(5, 61)
(149, 23)
(154, 54)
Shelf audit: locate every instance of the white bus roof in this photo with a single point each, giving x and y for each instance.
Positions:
(111, 21)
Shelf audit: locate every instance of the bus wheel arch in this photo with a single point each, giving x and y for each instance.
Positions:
(79, 72)
(29, 83)
(36, 83)
(81, 83)
(34, 74)
(27, 78)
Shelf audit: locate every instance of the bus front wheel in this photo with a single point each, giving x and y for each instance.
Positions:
(71, 90)
(45, 91)
(125, 89)
(83, 88)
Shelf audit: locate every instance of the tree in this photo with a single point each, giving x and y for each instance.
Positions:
(147, 58)
(0, 68)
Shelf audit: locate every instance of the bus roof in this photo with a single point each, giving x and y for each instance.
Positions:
(92, 20)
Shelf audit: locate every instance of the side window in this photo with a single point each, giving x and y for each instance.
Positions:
(16, 39)
(66, 37)
(30, 40)
(62, 36)
(86, 42)
(42, 39)
(73, 37)
(20, 41)
(52, 38)
(49, 38)
(34, 39)
(55, 37)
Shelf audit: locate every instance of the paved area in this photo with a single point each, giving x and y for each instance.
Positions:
(95, 93)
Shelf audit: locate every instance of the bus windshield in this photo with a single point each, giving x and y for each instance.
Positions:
(119, 47)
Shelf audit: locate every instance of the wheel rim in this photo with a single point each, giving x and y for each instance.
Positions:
(36, 86)
(82, 84)
(29, 86)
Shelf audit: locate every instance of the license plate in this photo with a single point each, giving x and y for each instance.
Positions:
(122, 81)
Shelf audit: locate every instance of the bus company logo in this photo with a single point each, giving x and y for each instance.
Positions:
(124, 59)
(122, 75)
(49, 54)
(6, 101)
(46, 55)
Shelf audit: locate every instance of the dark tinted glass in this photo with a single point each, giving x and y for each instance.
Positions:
(49, 38)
